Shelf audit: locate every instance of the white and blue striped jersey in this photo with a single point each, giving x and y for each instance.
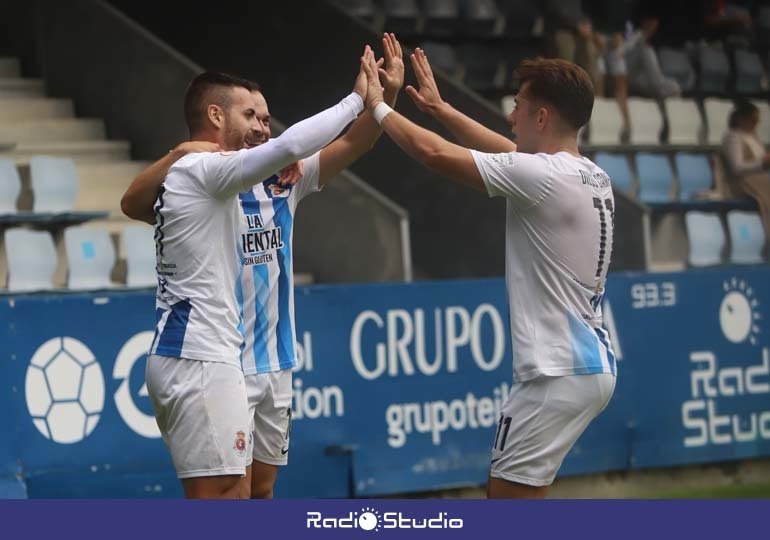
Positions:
(559, 232)
(265, 233)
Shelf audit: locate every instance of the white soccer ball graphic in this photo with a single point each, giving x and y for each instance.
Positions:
(64, 390)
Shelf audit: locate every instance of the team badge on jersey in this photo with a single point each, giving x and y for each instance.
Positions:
(240, 443)
(274, 190)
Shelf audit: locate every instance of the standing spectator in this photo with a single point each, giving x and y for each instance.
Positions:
(645, 76)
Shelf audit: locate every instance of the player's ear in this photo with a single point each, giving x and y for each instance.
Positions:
(215, 115)
(543, 116)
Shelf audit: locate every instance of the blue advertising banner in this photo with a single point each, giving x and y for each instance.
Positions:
(398, 386)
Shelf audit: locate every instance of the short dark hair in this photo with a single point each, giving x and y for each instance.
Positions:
(209, 88)
(743, 110)
(563, 85)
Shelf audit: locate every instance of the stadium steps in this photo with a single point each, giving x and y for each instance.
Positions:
(20, 109)
(52, 130)
(81, 151)
(21, 88)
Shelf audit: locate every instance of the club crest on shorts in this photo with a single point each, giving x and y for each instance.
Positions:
(240, 443)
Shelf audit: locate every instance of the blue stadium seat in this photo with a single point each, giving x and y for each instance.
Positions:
(655, 177)
(31, 259)
(714, 70)
(441, 56)
(90, 258)
(138, 243)
(747, 237)
(10, 186)
(54, 183)
(618, 169)
(401, 17)
(695, 175)
(441, 17)
(676, 65)
(748, 72)
(706, 238)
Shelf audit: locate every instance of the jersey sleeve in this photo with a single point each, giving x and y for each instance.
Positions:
(222, 173)
(525, 179)
(309, 182)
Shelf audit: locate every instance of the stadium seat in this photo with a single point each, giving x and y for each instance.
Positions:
(763, 129)
(685, 123)
(90, 258)
(54, 183)
(748, 72)
(676, 65)
(705, 237)
(695, 175)
(138, 243)
(747, 237)
(717, 114)
(401, 16)
(606, 122)
(479, 17)
(714, 70)
(618, 169)
(441, 56)
(10, 186)
(507, 103)
(441, 17)
(646, 121)
(655, 177)
(520, 17)
(31, 259)
(363, 9)
(481, 66)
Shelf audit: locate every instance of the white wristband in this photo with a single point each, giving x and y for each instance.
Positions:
(381, 111)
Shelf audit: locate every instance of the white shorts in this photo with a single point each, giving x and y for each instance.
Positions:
(269, 396)
(202, 413)
(541, 420)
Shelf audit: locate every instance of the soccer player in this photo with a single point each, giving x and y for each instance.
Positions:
(559, 231)
(264, 235)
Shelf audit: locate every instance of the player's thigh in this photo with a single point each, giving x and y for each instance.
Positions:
(540, 422)
(272, 417)
(203, 416)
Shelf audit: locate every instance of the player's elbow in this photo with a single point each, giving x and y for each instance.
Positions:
(432, 157)
(127, 207)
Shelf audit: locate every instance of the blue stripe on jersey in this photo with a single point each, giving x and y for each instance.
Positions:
(158, 314)
(285, 330)
(602, 333)
(250, 205)
(171, 338)
(585, 348)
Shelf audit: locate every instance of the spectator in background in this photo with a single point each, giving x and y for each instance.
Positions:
(747, 159)
(729, 23)
(645, 76)
(569, 35)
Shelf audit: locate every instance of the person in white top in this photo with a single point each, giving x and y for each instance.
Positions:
(264, 234)
(559, 233)
(194, 376)
(747, 159)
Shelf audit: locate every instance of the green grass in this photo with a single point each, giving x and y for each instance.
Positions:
(748, 491)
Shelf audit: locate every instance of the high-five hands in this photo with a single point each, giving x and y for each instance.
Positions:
(427, 98)
(392, 76)
(374, 90)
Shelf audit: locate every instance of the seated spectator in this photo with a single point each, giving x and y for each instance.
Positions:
(645, 77)
(747, 159)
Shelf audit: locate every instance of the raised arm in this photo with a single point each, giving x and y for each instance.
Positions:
(365, 131)
(139, 199)
(430, 149)
(466, 130)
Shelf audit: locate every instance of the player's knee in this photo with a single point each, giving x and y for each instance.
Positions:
(262, 490)
(219, 487)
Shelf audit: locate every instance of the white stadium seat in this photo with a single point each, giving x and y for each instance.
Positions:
(31, 259)
(90, 258)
